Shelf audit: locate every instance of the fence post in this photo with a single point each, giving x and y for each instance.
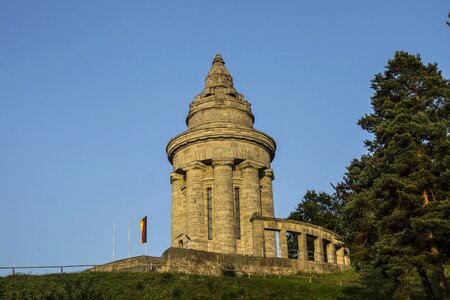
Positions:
(62, 270)
(14, 271)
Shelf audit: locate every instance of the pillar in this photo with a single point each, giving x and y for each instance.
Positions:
(302, 247)
(331, 252)
(267, 210)
(258, 238)
(177, 181)
(250, 202)
(223, 207)
(195, 205)
(267, 193)
(346, 257)
(318, 249)
(283, 244)
(340, 259)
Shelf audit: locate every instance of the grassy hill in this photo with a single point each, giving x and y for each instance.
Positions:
(133, 285)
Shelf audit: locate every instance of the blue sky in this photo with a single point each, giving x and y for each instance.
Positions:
(92, 91)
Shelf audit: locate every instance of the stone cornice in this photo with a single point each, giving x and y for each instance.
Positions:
(223, 162)
(175, 176)
(268, 173)
(250, 164)
(193, 136)
(193, 165)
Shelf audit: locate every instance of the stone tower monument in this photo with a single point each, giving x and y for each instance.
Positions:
(221, 172)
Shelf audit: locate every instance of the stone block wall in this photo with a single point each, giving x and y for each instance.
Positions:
(209, 263)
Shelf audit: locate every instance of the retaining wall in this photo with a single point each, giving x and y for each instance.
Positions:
(210, 263)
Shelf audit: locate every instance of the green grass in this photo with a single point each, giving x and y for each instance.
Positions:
(115, 285)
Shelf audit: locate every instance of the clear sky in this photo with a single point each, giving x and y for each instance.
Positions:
(92, 91)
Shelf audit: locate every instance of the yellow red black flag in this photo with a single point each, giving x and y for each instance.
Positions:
(143, 225)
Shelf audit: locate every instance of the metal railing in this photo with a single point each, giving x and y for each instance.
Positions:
(61, 268)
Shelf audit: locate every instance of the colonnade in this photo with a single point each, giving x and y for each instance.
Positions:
(327, 245)
(237, 189)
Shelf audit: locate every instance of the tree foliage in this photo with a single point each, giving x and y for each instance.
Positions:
(320, 209)
(397, 206)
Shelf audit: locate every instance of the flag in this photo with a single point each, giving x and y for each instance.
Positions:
(143, 225)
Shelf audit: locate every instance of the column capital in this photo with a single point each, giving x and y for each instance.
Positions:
(175, 176)
(250, 164)
(268, 173)
(196, 164)
(223, 162)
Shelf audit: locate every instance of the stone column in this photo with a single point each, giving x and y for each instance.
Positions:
(267, 193)
(318, 249)
(258, 238)
(340, 256)
(223, 207)
(346, 257)
(331, 252)
(250, 202)
(195, 205)
(267, 210)
(302, 247)
(270, 242)
(177, 181)
(283, 244)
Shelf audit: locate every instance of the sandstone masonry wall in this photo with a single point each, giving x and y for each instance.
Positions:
(209, 263)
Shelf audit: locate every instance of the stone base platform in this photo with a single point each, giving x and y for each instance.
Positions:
(209, 263)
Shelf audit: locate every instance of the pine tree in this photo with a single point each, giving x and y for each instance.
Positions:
(397, 203)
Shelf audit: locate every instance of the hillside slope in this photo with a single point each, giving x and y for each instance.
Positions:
(152, 285)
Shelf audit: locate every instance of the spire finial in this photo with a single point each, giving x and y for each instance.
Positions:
(218, 75)
(218, 59)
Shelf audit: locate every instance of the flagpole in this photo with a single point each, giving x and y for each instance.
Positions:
(145, 247)
(114, 241)
(129, 233)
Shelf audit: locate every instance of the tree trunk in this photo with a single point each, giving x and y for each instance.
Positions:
(425, 282)
(443, 289)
